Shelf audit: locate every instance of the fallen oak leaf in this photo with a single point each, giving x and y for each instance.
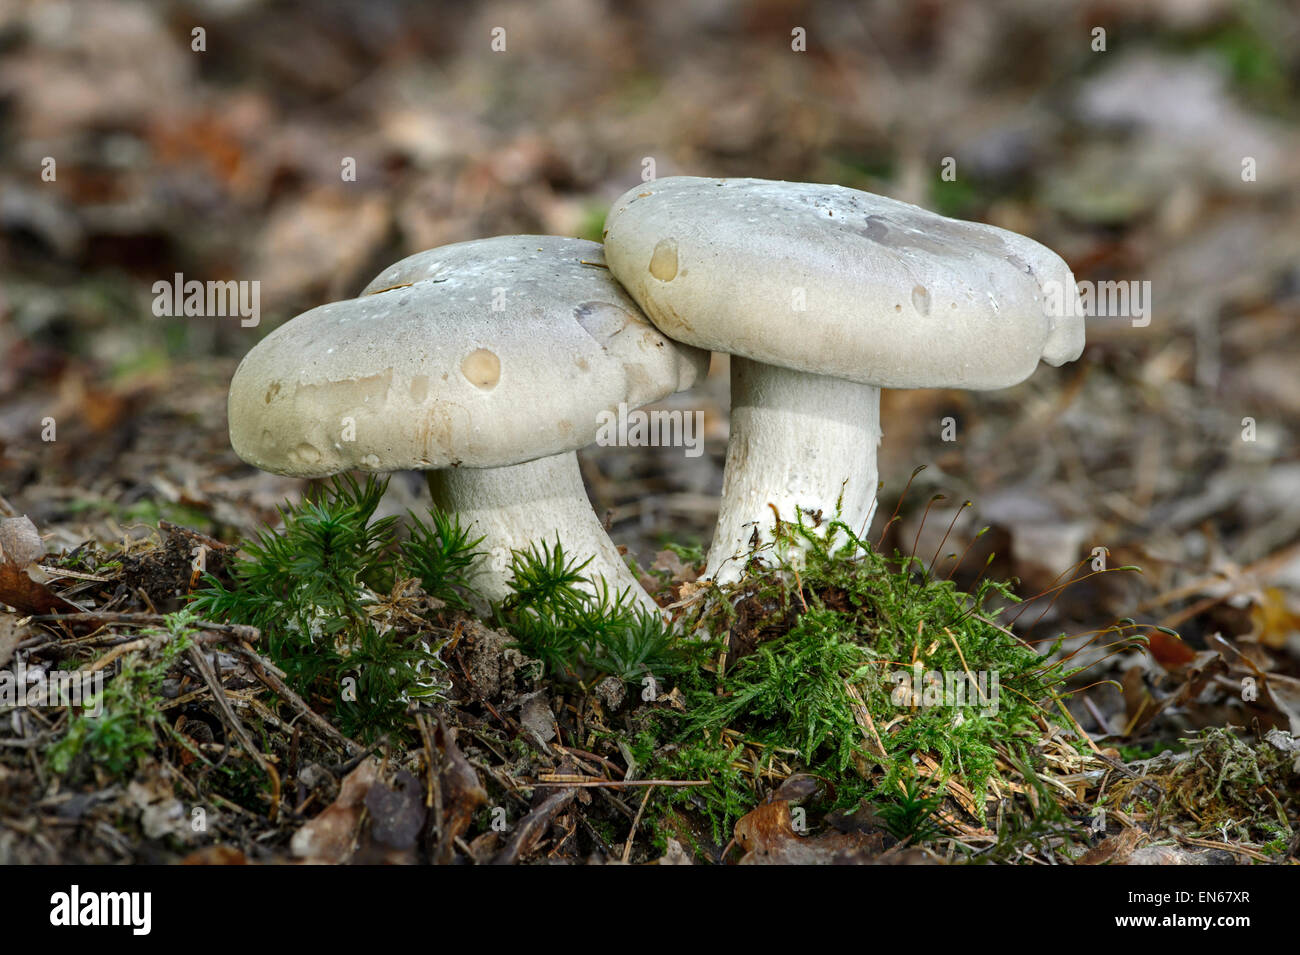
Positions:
(216, 855)
(802, 786)
(20, 548)
(1275, 622)
(11, 634)
(20, 543)
(1276, 697)
(1169, 650)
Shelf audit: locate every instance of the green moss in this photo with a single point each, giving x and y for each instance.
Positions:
(825, 669)
(316, 590)
(581, 631)
(1238, 789)
(126, 726)
(440, 555)
(910, 813)
(831, 685)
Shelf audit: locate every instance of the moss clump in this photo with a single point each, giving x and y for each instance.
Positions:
(1231, 788)
(579, 630)
(862, 669)
(123, 727)
(849, 668)
(333, 596)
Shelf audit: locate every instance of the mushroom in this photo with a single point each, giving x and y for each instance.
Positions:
(823, 295)
(486, 363)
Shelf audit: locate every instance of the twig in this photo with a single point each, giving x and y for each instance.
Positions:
(970, 676)
(209, 675)
(862, 716)
(263, 670)
(1224, 846)
(72, 574)
(580, 783)
(1065, 711)
(1091, 707)
(531, 827)
(433, 760)
(101, 618)
(627, 846)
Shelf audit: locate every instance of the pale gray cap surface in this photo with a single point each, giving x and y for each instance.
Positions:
(482, 354)
(839, 282)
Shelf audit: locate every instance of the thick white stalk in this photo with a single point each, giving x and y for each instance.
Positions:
(802, 443)
(515, 507)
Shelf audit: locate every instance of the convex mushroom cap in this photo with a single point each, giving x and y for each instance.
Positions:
(834, 281)
(487, 363)
(823, 295)
(479, 354)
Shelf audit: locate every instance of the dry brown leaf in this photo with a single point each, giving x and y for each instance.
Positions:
(328, 839)
(768, 837)
(1114, 849)
(20, 547)
(396, 815)
(462, 793)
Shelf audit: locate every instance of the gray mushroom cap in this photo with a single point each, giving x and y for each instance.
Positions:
(834, 281)
(480, 354)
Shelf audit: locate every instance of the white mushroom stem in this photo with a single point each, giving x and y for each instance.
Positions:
(802, 443)
(513, 508)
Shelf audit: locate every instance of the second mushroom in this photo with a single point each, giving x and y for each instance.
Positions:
(823, 295)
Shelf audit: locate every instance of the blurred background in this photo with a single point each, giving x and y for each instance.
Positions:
(218, 154)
